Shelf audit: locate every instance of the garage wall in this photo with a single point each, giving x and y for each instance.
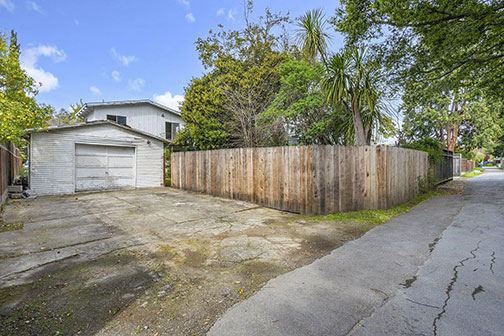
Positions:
(52, 156)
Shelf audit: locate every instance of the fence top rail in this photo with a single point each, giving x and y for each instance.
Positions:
(299, 146)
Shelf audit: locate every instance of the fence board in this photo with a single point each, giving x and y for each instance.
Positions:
(305, 179)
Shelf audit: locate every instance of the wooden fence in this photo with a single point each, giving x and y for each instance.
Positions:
(10, 163)
(467, 165)
(443, 171)
(304, 179)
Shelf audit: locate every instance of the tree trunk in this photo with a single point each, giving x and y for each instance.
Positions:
(451, 139)
(360, 133)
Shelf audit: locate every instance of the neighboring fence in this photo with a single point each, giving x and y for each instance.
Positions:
(305, 179)
(467, 165)
(10, 163)
(444, 170)
(457, 164)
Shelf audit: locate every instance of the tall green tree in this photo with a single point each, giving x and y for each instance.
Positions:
(350, 83)
(459, 117)
(222, 108)
(429, 40)
(302, 107)
(18, 108)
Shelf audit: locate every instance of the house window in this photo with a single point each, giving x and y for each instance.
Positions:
(118, 119)
(171, 130)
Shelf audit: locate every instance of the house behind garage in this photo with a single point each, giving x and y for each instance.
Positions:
(96, 155)
(144, 115)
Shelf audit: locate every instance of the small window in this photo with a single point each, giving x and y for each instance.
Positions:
(171, 130)
(118, 119)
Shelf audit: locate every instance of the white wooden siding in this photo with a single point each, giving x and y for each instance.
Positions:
(52, 166)
(144, 117)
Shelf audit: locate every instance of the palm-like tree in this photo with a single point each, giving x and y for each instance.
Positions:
(350, 82)
(312, 36)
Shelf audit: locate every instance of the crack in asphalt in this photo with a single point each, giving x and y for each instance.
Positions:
(450, 286)
(492, 262)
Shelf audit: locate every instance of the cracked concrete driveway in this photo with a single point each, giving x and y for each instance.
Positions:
(437, 270)
(90, 225)
(145, 261)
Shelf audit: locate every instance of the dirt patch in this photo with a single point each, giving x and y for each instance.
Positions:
(455, 186)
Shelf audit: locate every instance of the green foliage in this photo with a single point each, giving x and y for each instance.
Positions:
(351, 85)
(301, 104)
(222, 108)
(312, 36)
(69, 116)
(379, 216)
(468, 174)
(431, 146)
(431, 39)
(18, 108)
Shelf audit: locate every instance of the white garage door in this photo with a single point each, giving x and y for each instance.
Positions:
(104, 167)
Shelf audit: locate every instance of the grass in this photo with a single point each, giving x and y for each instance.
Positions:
(471, 173)
(380, 216)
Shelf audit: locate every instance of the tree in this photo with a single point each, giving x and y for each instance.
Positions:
(222, 108)
(350, 85)
(312, 35)
(301, 106)
(460, 117)
(18, 108)
(429, 40)
(68, 116)
(350, 82)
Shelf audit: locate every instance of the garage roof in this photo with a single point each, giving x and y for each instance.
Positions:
(96, 122)
(88, 107)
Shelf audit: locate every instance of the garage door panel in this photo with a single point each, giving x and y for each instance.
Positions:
(120, 151)
(121, 172)
(90, 172)
(100, 167)
(89, 184)
(121, 162)
(81, 149)
(91, 161)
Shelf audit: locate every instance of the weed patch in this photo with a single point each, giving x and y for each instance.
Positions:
(380, 216)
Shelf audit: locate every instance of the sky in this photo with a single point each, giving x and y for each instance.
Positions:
(124, 49)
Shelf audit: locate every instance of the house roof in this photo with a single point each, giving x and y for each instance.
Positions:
(96, 122)
(88, 107)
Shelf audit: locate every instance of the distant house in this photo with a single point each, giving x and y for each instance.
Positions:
(144, 115)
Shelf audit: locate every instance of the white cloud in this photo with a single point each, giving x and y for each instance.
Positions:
(169, 100)
(7, 4)
(185, 2)
(220, 12)
(231, 14)
(124, 60)
(95, 90)
(116, 76)
(190, 18)
(32, 5)
(29, 59)
(136, 84)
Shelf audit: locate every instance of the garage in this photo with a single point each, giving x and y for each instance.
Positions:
(94, 156)
(104, 167)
